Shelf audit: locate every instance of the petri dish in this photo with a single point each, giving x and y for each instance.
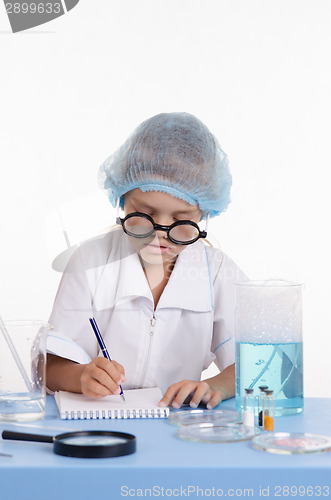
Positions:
(290, 443)
(190, 417)
(211, 433)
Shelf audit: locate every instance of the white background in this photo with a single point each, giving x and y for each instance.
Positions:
(257, 72)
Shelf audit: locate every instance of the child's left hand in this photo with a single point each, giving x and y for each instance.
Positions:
(177, 393)
(211, 391)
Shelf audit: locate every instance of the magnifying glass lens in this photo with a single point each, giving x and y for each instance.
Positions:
(93, 440)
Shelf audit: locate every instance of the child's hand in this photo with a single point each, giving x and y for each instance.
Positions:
(177, 393)
(102, 378)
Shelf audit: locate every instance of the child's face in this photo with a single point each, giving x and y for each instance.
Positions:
(164, 210)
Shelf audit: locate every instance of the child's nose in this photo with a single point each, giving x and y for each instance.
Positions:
(160, 233)
(163, 220)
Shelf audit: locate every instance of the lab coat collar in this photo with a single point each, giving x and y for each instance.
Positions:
(189, 286)
(132, 281)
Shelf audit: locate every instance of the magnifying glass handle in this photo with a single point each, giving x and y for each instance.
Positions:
(22, 436)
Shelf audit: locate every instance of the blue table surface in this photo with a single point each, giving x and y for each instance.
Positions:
(163, 460)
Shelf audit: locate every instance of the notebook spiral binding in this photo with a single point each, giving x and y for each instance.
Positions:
(116, 414)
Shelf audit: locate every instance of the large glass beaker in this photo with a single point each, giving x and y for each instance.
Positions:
(269, 342)
(22, 370)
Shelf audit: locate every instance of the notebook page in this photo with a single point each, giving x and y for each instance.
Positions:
(139, 403)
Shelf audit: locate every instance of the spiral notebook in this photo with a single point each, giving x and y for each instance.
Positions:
(139, 403)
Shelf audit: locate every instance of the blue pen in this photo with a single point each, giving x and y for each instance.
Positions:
(102, 346)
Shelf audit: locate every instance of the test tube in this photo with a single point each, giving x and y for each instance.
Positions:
(268, 410)
(260, 404)
(249, 408)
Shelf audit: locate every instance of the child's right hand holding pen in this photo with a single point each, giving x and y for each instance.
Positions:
(96, 379)
(102, 378)
(106, 355)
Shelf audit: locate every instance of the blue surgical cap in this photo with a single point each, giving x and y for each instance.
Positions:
(173, 153)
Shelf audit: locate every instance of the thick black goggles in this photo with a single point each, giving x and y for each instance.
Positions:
(139, 225)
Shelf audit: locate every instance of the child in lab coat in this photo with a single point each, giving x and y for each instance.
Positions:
(163, 300)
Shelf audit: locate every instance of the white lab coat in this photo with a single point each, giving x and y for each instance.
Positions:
(193, 323)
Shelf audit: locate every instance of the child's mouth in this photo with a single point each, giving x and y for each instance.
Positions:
(157, 249)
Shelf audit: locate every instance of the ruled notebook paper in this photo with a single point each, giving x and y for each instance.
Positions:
(140, 403)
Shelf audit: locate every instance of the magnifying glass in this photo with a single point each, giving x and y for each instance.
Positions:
(83, 444)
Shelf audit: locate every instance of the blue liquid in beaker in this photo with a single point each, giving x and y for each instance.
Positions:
(276, 365)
